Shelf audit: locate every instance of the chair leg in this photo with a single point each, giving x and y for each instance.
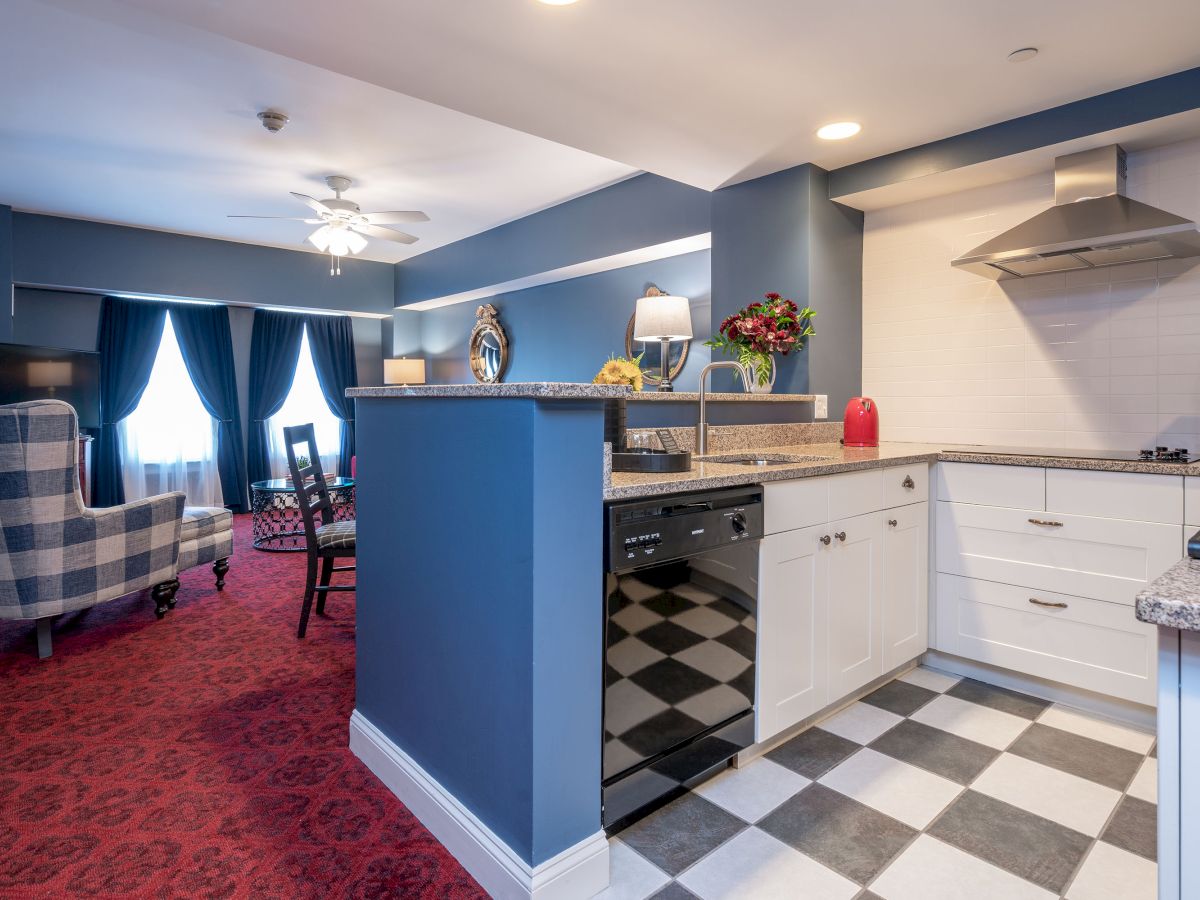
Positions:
(326, 574)
(310, 585)
(43, 637)
(220, 567)
(160, 593)
(174, 586)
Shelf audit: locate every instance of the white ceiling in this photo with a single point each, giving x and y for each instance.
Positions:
(715, 91)
(117, 117)
(481, 111)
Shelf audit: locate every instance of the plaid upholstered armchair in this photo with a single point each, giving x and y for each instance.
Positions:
(56, 555)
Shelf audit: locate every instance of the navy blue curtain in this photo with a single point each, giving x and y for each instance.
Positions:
(207, 347)
(274, 350)
(331, 339)
(130, 332)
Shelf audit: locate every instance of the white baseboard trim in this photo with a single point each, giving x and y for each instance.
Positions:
(577, 872)
(1124, 712)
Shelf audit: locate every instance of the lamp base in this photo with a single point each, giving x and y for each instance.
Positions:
(664, 384)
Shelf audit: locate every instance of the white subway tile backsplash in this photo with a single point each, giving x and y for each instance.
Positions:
(1105, 358)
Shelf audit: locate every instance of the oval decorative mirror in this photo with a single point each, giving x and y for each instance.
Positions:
(652, 350)
(488, 347)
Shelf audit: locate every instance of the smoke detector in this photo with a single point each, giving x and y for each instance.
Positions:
(272, 120)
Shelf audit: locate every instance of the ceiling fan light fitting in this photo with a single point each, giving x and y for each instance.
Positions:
(273, 120)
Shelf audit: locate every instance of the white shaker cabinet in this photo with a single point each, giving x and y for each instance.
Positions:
(855, 598)
(906, 584)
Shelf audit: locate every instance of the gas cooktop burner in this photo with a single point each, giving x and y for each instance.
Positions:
(1162, 454)
(1178, 455)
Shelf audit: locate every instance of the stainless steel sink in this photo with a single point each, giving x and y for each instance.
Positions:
(760, 459)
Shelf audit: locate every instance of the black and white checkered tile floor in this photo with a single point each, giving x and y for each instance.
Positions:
(932, 787)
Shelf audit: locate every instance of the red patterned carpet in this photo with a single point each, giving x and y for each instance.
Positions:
(200, 756)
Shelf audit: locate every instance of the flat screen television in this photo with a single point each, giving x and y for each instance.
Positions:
(40, 373)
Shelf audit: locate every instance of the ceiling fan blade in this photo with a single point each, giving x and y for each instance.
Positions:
(386, 234)
(313, 203)
(281, 218)
(396, 217)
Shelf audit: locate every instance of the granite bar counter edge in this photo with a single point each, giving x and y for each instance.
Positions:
(1173, 599)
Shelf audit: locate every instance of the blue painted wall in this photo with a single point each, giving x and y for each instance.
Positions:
(6, 283)
(781, 233)
(1127, 106)
(54, 252)
(565, 331)
(639, 212)
(479, 611)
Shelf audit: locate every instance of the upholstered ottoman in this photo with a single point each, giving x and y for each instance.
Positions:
(206, 536)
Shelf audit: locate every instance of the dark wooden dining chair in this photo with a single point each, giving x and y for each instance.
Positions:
(326, 540)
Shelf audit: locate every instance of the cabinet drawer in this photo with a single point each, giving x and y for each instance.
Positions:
(1115, 495)
(788, 505)
(1088, 643)
(1019, 486)
(1106, 559)
(855, 493)
(905, 484)
(1191, 501)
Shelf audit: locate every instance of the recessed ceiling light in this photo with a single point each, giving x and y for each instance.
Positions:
(838, 131)
(557, 2)
(1025, 53)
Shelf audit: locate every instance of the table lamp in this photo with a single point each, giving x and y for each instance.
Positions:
(404, 371)
(661, 317)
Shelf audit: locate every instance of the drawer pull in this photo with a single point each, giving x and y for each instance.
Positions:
(1038, 602)
(908, 482)
(840, 535)
(824, 539)
(893, 523)
(1046, 522)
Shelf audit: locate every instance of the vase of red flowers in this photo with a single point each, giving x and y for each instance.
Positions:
(755, 334)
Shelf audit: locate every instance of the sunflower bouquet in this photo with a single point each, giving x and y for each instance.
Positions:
(619, 370)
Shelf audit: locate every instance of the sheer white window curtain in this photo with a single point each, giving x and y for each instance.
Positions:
(169, 442)
(305, 403)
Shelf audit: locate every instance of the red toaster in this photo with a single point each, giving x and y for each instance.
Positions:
(861, 423)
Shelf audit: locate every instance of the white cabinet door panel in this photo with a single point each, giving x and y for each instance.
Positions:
(1115, 495)
(791, 666)
(855, 599)
(855, 493)
(905, 484)
(1020, 486)
(1087, 643)
(905, 584)
(788, 505)
(1191, 500)
(1106, 559)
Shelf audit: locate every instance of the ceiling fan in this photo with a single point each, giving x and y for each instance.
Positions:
(343, 224)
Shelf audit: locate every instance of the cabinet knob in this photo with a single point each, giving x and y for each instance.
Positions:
(893, 523)
(908, 482)
(840, 535)
(824, 539)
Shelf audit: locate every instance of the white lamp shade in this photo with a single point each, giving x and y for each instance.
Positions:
(49, 374)
(404, 371)
(662, 318)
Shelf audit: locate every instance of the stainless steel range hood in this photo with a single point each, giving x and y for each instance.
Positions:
(1091, 224)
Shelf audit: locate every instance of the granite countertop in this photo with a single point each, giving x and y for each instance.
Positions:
(540, 390)
(831, 459)
(997, 456)
(1173, 599)
(721, 397)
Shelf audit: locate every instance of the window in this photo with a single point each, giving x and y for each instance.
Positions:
(305, 403)
(169, 442)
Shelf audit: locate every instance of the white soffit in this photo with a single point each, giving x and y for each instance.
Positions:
(578, 270)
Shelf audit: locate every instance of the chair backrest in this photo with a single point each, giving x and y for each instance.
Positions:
(311, 497)
(39, 488)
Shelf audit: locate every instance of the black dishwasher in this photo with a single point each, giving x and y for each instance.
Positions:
(681, 608)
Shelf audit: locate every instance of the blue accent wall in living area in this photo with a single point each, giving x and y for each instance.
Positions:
(639, 212)
(565, 331)
(480, 608)
(782, 233)
(55, 252)
(6, 281)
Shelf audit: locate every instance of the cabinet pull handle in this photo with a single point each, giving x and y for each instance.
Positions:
(1038, 602)
(824, 539)
(908, 482)
(892, 522)
(1046, 522)
(840, 535)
